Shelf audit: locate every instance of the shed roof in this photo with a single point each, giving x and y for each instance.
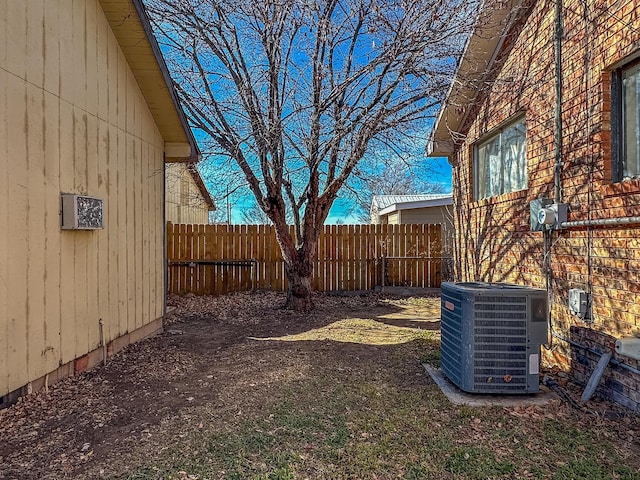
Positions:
(483, 46)
(385, 204)
(132, 29)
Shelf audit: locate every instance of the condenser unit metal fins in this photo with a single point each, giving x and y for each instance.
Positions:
(491, 336)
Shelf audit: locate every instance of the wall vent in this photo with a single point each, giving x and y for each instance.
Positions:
(80, 212)
(491, 336)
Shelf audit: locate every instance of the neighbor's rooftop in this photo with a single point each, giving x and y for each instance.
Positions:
(383, 204)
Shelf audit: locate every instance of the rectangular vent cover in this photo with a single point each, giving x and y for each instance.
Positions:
(80, 212)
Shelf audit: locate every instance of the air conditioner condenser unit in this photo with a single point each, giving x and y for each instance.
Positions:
(491, 336)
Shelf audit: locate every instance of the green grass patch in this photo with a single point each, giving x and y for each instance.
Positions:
(375, 429)
(589, 469)
(477, 463)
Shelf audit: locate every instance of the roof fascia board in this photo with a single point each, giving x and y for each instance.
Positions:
(439, 202)
(197, 178)
(177, 152)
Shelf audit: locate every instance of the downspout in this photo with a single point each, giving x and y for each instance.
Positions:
(613, 361)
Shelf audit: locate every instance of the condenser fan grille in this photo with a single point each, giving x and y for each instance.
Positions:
(492, 342)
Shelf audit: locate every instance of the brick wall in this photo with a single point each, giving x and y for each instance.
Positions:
(494, 241)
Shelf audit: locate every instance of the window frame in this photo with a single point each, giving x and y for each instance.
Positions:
(484, 140)
(617, 124)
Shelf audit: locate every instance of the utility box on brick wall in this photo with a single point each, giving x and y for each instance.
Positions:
(534, 208)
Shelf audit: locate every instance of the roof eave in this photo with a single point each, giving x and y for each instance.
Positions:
(206, 195)
(137, 41)
(476, 63)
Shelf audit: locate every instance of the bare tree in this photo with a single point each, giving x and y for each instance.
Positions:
(297, 92)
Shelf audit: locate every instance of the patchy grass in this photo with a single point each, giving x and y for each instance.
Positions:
(336, 394)
(369, 428)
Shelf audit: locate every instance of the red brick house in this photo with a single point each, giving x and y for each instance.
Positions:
(527, 124)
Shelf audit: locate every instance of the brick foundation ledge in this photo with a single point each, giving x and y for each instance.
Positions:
(83, 363)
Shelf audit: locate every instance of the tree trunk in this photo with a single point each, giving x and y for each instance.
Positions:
(299, 275)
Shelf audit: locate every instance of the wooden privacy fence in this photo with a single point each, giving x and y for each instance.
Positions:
(217, 259)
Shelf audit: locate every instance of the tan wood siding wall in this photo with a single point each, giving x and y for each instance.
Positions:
(184, 202)
(72, 120)
(425, 215)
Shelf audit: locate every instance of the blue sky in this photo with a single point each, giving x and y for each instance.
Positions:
(342, 210)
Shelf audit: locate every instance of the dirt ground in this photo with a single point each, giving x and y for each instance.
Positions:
(94, 425)
(216, 361)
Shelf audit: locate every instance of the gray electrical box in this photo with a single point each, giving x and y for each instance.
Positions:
(578, 302)
(79, 212)
(491, 336)
(546, 215)
(554, 215)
